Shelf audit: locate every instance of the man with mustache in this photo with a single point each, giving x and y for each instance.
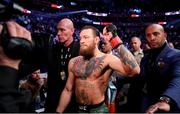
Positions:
(89, 74)
(160, 69)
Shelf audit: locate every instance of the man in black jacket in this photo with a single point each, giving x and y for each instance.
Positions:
(59, 58)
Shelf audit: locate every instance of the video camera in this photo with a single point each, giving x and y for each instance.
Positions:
(7, 9)
(14, 47)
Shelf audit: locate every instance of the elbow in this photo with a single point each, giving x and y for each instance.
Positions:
(135, 72)
(58, 110)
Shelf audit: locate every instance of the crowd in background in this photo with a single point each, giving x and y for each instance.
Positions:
(38, 24)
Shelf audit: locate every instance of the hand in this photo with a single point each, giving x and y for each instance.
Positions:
(14, 30)
(40, 82)
(159, 106)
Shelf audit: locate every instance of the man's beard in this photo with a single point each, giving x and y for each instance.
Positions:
(88, 52)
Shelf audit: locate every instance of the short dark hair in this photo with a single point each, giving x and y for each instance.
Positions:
(94, 29)
(112, 28)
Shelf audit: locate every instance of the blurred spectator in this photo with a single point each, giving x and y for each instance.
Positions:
(35, 83)
(134, 94)
(106, 46)
(136, 49)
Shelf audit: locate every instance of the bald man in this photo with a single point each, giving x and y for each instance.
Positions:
(59, 56)
(161, 69)
(65, 30)
(136, 48)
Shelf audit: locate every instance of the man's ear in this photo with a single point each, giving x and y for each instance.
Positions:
(165, 35)
(1, 27)
(72, 30)
(97, 39)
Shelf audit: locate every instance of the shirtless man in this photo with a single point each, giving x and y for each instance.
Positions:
(89, 74)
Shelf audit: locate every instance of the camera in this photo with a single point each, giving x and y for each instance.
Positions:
(44, 75)
(14, 47)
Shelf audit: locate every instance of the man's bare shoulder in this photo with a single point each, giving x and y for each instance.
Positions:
(110, 56)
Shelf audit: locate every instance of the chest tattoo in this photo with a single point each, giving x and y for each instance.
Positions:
(84, 68)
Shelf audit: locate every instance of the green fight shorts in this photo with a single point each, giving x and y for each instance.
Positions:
(98, 108)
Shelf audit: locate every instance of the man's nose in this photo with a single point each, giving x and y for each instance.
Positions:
(133, 45)
(81, 41)
(152, 37)
(58, 33)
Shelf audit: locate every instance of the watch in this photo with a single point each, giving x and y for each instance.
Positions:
(165, 99)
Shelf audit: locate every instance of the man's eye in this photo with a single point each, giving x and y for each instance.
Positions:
(155, 33)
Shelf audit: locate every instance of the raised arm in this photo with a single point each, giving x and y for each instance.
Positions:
(129, 62)
(67, 92)
(124, 70)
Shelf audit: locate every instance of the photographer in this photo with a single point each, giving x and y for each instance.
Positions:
(15, 41)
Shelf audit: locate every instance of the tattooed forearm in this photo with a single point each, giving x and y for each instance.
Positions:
(126, 56)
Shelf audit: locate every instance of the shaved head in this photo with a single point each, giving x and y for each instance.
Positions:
(135, 43)
(67, 22)
(158, 26)
(136, 38)
(65, 31)
(155, 35)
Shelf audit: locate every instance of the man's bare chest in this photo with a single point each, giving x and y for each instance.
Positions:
(86, 68)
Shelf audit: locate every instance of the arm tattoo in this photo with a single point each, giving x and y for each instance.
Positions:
(125, 55)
